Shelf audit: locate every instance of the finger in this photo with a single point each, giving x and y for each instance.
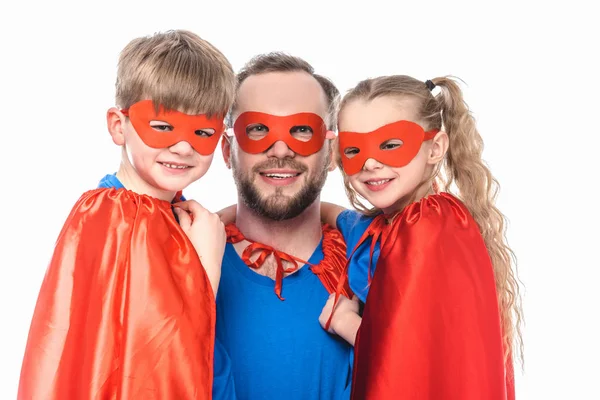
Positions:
(184, 219)
(191, 206)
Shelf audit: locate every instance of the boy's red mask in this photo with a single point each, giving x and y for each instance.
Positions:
(186, 128)
(369, 145)
(256, 132)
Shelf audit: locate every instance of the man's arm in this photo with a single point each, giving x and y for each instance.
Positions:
(330, 212)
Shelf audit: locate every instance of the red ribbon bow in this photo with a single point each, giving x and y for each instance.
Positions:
(328, 270)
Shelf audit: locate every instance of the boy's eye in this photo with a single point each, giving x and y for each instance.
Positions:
(161, 126)
(204, 132)
(351, 151)
(391, 144)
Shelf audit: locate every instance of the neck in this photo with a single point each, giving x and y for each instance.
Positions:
(298, 236)
(131, 180)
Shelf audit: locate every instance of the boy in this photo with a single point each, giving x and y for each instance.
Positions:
(126, 309)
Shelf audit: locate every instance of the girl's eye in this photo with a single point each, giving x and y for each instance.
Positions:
(204, 132)
(391, 144)
(351, 151)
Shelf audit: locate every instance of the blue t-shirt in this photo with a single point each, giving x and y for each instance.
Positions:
(110, 181)
(223, 387)
(278, 349)
(352, 225)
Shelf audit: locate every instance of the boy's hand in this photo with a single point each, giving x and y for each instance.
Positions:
(345, 321)
(228, 214)
(207, 233)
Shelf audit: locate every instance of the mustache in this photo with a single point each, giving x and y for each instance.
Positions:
(280, 163)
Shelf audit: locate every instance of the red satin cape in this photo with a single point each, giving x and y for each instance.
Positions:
(431, 325)
(125, 311)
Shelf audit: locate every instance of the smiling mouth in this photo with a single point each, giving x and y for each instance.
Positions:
(280, 175)
(174, 166)
(377, 182)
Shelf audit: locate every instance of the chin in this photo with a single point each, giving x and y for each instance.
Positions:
(170, 186)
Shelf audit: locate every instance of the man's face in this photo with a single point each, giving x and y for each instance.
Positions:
(278, 183)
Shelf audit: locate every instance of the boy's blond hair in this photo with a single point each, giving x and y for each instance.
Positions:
(178, 70)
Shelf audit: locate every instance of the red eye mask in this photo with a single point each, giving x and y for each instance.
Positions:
(185, 128)
(369, 145)
(304, 133)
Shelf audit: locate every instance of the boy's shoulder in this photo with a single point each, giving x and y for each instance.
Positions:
(110, 181)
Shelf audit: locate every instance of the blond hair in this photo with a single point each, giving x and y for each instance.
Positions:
(282, 62)
(178, 70)
(462, 168)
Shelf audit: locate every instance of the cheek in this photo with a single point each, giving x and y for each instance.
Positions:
(244, 160)
(355, 183)
(316, 162)
(204, 162)
(138, 150)
(414, 171)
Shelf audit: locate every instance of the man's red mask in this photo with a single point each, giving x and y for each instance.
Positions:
(357, 148)
(200, 132)
(304, 133)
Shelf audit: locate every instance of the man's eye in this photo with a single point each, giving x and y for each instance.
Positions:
(204, 132)
(256, 131)
(391, 144)
(301, 132)
(257, 128)
(161, 126)
(301, 129)
(351, 151)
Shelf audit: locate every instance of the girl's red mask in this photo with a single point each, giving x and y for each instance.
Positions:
(304, 133)
(369, 145)
(186, 128)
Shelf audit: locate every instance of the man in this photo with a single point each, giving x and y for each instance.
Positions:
(269, 302)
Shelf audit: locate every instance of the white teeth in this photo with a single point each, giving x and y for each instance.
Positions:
(376, 183)
(280, 176)
(174, 166)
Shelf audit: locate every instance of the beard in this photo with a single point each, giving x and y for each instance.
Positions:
(277, 206)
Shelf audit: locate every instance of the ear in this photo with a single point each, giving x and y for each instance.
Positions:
(330, 135)
(333, 147)
(114, 122)
(439, 147)
(226, 149)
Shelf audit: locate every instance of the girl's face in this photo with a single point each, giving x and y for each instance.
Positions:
(383, 186)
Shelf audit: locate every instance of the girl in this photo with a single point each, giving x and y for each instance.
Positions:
(438, 322)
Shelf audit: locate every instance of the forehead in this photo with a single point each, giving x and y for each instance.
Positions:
(281, 93)
(362, 115)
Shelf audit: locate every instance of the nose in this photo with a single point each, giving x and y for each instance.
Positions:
(372, 164)
(182, 148)
(280, 150)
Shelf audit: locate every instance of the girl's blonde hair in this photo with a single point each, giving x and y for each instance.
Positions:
(462, 168)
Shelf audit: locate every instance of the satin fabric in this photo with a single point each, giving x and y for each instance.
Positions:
(125, 311)
(330, 270)
(431, 324)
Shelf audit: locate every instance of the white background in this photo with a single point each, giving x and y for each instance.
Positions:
(531, 80)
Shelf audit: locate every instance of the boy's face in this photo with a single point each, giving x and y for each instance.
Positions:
(167, 169)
